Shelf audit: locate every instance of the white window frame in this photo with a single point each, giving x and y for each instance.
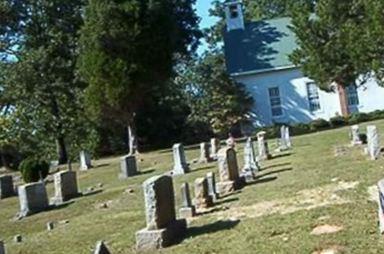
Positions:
(313, 98)
(272, 107)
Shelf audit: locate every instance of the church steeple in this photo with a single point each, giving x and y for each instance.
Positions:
(234, 15)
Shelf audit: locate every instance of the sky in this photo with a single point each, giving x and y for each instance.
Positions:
(202, 7)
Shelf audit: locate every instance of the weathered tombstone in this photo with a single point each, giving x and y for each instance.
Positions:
(287, 137)
(101, 248)
(6, 187)
(355, 135)
(128, 166)
(85, 161)
(50, 225)
(228, 171)
(251, 166)
(180, 166)
(373, 142)
(33, 198)
(204, 153)
(66, 188)
(215, 146)
(212, 185)
(202, 198)
(2, 247)
(263, 146)
(231, 143)
(187, 210)
(380, 186)
(17, 238)
(162, 227)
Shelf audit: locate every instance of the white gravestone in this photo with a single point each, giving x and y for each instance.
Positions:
(355, 135)
(262, 146)
(251, 166)
(215, 146)
(85, 161)
(204, 153)
(380, 186)
(373, 142)
(180, 165)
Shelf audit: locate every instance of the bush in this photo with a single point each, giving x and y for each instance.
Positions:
(375, 115)
(338, 121)
(356, 118)
(33, 169)
(319, 124)
(300, 128)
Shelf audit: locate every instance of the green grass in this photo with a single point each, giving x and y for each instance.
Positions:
(311, 164)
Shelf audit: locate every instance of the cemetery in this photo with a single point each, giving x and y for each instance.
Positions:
(198, 126)
(334, 208)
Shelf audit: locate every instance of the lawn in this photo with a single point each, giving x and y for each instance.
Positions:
(295, 192)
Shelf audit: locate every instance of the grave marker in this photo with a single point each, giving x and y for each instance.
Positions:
(6, 187)
(202, 198)
(187, 210)
(33, 198)
(228, 171)
(373, 142)
(85, 161)
(66, 188)
(180, 166)
(251, 166)
(263, 146)
(128, 166)
(162, 227)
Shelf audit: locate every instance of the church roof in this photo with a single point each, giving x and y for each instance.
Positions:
(262, 46)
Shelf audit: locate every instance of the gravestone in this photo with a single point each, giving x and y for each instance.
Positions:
(204, 153)
(373, 142)
(212, 186)
(85, 161)
(251, 166)
(128, 166)
(263, 146)
(380, 186)
(202, 198)
(228, 171)
(65, 183)
(215, 146)
(33, 198)
(101, 248)
(180, 166)
(2, 247)
(162, 227)
(355, 135)
(287, 137)
(6, 187)
(187, 210)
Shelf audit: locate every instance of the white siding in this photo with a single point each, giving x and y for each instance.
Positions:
(294, 99)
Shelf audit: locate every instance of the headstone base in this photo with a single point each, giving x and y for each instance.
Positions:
(225, 188)
(248, 176)
(202, 203)
(187, 212)
(160, 238)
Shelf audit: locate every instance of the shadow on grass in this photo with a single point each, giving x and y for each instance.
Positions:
(274, 172)
(263, 180)
(203, 168)
(89, 193)
(229, 200)
(101, 165)
(276, 166)
(146, 172)
(212, 228)
(276, 156)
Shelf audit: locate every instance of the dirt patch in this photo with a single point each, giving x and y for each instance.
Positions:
(326, 229)
(336, 249)
(340, 151)
(303, 200)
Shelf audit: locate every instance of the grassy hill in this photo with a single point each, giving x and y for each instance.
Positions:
(322, 181)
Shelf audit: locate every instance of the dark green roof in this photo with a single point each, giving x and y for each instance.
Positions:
(261, 46)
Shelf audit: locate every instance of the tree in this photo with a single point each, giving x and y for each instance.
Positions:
(339, 43)
(128, 51)
(253, 11)
(38, 48)
(213, 96)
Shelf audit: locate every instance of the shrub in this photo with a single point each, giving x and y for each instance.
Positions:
(300, 128)
(33, 169)
(338, 121)
(356, 118)
(375, 115)
(319, 124)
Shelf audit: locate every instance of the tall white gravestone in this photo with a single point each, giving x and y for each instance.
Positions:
(262, 146)
(355, 135)
(215, 146)
(85, 161)
(380, 186)
(204, 153)
(251, 166)
(180, 165)
(373, 142)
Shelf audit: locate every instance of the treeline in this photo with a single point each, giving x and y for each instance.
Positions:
(108, 76)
